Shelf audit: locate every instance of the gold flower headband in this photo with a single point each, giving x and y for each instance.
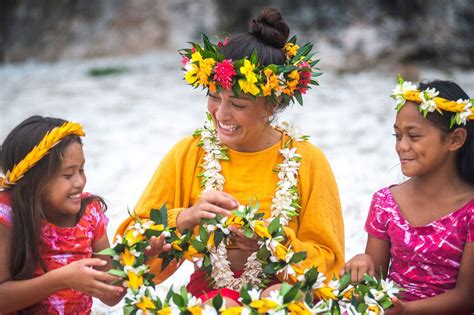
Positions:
(51, 139)
(429, 102)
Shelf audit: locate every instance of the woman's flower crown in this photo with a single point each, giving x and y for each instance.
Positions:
(51, 139)
(205, 66)
(429, 102)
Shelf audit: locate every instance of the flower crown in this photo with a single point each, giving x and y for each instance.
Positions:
(51, 139)
(205, 66)
(429, 102)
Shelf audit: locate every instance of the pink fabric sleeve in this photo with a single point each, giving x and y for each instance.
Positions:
(377, 219)
(6, 215)
(470, 225)
(101, 220)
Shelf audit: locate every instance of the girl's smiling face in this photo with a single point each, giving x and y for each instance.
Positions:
(241, 122)
(420, 146)
(62, 197)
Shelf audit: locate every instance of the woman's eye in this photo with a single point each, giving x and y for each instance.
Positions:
(238, 106)
(414, 136)
(397, 136)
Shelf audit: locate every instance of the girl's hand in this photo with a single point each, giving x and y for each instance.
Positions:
(244, 243)
(80, 275)
(398, 307)
(358, 266)
(210, 204)
(157, 246)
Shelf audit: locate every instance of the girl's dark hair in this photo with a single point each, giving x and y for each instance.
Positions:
(451, 91)
(268, 34)
(26, 194)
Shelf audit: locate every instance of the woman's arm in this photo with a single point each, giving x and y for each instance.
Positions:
(456, 301)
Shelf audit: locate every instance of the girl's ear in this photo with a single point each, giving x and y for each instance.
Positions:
(457, 138)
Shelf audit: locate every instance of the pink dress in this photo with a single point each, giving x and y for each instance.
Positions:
(425, 260)
(61, 246)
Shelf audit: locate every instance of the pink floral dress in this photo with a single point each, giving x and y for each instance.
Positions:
(425, 260)
(61, 246)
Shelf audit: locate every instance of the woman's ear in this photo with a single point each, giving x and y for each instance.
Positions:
(457, 138)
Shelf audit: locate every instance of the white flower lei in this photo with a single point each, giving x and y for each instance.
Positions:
(285, 203)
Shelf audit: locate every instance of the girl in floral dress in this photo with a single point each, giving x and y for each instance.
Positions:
(50, 228)
(421, 232)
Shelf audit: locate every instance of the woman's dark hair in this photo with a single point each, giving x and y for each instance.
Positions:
(451, 91)
(268, 34)
(26, 194)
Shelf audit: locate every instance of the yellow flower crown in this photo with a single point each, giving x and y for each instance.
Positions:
(429, 102)
(205, 66)
(51, 139)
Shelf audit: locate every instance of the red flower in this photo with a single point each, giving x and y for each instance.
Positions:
(222, 44)
(223, 73)
(305, 77)
(184, 60)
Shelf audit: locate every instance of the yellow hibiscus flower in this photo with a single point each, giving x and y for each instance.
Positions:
(135, 281)
(127, 258)
(145, 304)
(261, 230)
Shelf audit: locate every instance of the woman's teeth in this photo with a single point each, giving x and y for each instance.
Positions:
(228, 127)
(74, 197)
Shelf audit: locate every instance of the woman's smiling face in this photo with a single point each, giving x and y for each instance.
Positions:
(241, 122)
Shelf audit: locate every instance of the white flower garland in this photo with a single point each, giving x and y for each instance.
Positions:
(285, 204)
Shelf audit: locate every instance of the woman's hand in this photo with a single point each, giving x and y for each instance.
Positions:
(80, 275)
(157, 246)
(244, 243)
(358, 266)
(210, 204)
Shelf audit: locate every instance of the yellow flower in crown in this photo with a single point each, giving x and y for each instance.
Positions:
(248, 85)
(127, 258)
(235, 310)
(298, 308)
(146, 304)
(291, 49)
(261, 230)
(135, 280)
(195, 310)
(157, 227)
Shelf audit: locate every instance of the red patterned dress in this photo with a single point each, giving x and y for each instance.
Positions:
(61, 246)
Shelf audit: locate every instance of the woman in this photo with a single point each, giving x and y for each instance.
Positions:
(242, 102)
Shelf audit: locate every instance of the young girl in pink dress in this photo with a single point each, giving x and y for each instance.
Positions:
(50, 228)
(421, 232)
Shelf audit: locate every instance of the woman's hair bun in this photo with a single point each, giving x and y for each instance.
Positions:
(270, 28)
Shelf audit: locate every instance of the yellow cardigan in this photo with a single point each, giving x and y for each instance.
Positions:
(319, 228)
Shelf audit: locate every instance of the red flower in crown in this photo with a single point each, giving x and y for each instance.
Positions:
(223, 73)
(305, 77)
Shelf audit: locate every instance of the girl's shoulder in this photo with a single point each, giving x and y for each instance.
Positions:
(6, 212)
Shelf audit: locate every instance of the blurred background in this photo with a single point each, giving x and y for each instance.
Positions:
(113, 66)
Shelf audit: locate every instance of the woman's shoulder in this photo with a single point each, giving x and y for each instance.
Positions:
(6, 212)
(186, 145)
(309, 150)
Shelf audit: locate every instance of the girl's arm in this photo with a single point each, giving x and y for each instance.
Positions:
(374, 262)
(456, 301)
(109, 299)
(19, 294)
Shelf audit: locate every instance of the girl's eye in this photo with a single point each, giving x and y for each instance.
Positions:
(213, 97)
(397, 136)
(67, 176)
(414, 136)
